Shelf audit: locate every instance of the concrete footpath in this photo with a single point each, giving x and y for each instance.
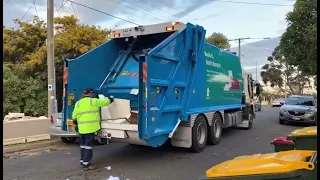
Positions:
(32, 145)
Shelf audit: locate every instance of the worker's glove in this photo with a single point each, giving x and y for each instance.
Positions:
(111, 98)
(75, 122)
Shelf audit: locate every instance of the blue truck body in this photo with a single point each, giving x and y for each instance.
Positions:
(170, 78)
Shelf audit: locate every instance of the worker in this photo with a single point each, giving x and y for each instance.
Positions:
(86, 115)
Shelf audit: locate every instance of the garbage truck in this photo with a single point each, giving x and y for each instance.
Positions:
(171, 86)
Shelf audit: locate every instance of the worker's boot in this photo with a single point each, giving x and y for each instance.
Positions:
(90, 167)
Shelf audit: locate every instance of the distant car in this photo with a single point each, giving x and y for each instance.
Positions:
(299, 108)
(257, 105)
(68, 137)
(277, 102)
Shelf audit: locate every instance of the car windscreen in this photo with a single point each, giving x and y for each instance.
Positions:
(304, 101)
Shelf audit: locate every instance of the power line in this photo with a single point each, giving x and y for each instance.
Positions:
(247, 58)
(174, 8)
(6, 3)
(58, 10)
(135, 9)
(74, 11)
(24, 15)
(103, 12)
(251, 3)
(64, 6)
(157, 7)
(35, 7)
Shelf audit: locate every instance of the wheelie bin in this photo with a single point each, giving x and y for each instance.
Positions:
(284, 165)
(305, 138)
(282, 144)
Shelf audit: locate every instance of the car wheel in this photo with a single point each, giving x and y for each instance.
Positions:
(281, 121)
(199, 134)
(68, 140)
(215, 131)
(96, 142)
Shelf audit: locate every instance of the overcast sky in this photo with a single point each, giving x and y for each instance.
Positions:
(230, 18)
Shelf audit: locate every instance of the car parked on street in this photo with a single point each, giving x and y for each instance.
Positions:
(300, 109)
(277, 102)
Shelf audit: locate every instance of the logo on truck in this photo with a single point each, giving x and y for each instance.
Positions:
(233, 83)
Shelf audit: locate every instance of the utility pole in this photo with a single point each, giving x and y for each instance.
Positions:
(239, 44)
(257, 71)
(50, 56)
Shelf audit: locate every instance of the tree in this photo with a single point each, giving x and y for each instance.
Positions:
(299, 42)
(278, 72)
(26, 50)
(219, 40)
(21, 93)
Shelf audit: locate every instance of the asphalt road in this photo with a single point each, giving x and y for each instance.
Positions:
(145, 163)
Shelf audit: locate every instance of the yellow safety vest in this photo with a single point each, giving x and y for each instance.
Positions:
(87, 114)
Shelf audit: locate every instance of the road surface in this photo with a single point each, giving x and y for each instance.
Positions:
(145, 163)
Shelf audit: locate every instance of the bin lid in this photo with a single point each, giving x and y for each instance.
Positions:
(272, 163)
(283, 140)
(308, 131)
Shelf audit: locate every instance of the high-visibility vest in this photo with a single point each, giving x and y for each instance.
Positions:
(87, 114)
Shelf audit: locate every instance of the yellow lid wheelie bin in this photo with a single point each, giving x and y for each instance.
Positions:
(284, 165)
(305, 138)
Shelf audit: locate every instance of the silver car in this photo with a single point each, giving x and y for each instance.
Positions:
(300, 109)
(68, 137)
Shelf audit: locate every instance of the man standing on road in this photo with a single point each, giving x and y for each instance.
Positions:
(86, 116)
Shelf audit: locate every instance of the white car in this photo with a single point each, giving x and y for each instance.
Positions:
(277, 102)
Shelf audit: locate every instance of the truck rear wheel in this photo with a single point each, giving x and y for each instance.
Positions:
(215, 131)
(199, 134)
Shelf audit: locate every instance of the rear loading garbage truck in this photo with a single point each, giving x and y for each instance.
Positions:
(179, 89)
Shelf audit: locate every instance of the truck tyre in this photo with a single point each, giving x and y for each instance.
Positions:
(215, 131)
(199, 134)
(68, 140)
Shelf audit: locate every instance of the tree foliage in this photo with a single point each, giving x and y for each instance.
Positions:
(278, 73)
(299, 42)
(25, 53)
(219, 40)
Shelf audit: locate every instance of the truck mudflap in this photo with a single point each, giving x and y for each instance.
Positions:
(166, 75)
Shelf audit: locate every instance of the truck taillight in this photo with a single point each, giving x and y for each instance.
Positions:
(51, 120)
(116, 35)
(170, 28)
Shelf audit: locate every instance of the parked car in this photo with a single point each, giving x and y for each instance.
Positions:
(68, 137)
(299, 108)
(257, 105)
(277, 102)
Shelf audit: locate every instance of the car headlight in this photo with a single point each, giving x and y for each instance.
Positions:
(310, 111)
(283, 111)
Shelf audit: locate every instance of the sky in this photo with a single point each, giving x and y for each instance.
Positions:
(229, 17)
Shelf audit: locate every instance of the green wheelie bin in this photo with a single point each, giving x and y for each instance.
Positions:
(284, 165)
(305, 138)
(282, 144)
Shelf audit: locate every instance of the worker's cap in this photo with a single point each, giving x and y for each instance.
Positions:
(88, 90)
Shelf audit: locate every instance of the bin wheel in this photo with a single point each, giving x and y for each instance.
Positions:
(199, 134)
(281, 121)
(68, 140)
(215, 131)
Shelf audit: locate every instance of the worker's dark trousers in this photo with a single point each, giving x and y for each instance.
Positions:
(86, 144)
